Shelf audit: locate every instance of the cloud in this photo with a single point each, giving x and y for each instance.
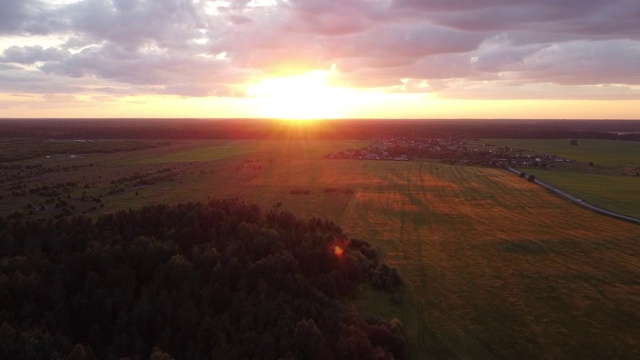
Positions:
(155, 69)
(169, 23)
(28, 17)
(498, 90)
(584, 63)
(13, 14)
(31, 54)
(335, 17)
(595, 19)
(211, 47)
(407, 41)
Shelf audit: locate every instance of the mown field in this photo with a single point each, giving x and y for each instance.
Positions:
(498, 268)
(494, 266)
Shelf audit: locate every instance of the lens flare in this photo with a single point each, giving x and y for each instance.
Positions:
(338, 251)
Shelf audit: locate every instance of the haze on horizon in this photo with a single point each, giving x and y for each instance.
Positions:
(320, 58)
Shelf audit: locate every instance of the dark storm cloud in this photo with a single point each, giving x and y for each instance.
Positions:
(197, 48)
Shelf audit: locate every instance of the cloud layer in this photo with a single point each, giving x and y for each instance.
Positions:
(491, 49)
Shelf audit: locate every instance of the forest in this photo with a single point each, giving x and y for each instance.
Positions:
(222, 280)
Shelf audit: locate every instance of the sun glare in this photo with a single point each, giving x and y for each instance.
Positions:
(301, 97)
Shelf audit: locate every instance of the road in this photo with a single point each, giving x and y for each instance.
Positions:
(580, 202)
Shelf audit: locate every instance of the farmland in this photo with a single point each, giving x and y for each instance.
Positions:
(612, 153)
(610, 182)
(498, 268)
(494, 266)
(613, 192)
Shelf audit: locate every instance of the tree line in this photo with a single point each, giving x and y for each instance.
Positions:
(152, 129)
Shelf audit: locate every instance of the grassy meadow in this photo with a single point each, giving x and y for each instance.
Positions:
(494, 267)
(612, 192)
(610, 153)
(611, 182)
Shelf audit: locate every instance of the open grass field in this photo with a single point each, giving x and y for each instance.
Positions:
(497, 268)
(610, 183)
(613, 192)
(494, 266)
(613, 153)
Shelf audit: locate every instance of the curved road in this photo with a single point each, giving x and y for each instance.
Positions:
(580, 202)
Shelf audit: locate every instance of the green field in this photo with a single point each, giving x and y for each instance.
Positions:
(611, 153)
(613, 192)
(494, 266)
(611, 182)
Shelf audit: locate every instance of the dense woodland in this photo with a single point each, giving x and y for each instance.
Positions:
(225, 280)
(330, 129)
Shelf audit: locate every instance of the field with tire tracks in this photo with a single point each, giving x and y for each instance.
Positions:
(497, 267)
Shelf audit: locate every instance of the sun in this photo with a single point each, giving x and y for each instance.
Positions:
(300, 97)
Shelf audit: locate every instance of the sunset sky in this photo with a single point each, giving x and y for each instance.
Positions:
(320, 58)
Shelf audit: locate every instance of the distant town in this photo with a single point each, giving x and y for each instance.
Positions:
(450, 151)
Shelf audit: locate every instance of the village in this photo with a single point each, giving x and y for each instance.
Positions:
(450, 151)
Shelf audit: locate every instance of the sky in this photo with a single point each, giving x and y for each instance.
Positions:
(567, 59)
